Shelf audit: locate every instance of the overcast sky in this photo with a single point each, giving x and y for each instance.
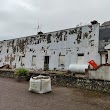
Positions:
(19, 18)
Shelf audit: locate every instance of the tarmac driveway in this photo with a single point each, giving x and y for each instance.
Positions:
(15, 96)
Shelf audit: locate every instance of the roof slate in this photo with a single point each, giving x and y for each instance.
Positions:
(104, 38)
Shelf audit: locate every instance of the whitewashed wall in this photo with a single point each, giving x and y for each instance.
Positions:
(102, 73)
(69, 42)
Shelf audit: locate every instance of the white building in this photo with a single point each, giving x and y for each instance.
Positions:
(54, 50)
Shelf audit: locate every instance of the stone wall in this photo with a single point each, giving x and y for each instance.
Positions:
(70, 81)
(7, 73)
(85, 83)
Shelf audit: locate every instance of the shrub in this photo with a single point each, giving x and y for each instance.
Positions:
(22, 72)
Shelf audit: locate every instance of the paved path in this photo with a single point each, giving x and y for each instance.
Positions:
(15, 96)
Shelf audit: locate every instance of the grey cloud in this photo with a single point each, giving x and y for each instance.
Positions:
(20, 18)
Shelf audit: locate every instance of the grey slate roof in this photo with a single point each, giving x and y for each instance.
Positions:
(107, 23)
(104, 38)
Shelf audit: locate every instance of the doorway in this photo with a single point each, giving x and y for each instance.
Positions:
(46, 62)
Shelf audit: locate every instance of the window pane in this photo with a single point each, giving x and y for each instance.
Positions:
(61, 60)
(33, 60)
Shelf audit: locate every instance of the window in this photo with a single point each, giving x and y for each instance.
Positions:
(61, 60)
(34, 60)
(23, 60)
(19, 58)
(91, 42)
(106, 58)
(80, 59)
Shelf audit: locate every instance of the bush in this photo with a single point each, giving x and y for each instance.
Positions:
(22, 72)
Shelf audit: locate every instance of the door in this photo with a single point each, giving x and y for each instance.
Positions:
(46, 62)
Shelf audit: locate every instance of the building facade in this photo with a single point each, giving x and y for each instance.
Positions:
(54, 50)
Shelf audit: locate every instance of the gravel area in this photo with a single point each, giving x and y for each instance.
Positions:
(15, 96)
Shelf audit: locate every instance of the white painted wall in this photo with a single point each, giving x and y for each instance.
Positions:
(64, 42)
(102, 73)
(103, 56)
